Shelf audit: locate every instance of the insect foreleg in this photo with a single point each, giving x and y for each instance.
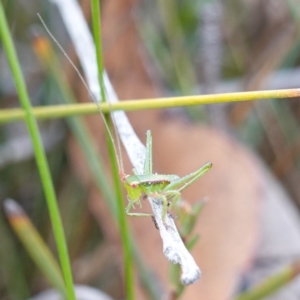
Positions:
(131, 205)
(128, 207)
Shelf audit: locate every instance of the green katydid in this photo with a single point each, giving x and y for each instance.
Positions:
(166, 188)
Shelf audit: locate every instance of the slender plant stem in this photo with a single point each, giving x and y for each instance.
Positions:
(272, 283)
(98, 44)
(39, 155)
(11, 263)
(60, 111)
(34, 244)
(123, 225)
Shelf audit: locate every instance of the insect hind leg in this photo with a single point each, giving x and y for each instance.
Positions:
(172, 195)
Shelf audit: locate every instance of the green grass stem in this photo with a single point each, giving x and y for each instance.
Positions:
(123, 224)
(39, 155)
(12, 263)
(272, 283)
(61, 111)
(34, 244)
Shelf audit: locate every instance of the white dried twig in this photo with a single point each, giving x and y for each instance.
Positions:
(173, 247)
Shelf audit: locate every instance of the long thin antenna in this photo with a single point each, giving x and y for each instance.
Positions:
(116, 149)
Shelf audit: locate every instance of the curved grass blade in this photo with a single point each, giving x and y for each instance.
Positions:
(34, 244)
(40, 155)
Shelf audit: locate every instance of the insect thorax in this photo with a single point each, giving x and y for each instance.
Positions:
(137, 185)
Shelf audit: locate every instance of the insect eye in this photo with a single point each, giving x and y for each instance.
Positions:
(134, 184)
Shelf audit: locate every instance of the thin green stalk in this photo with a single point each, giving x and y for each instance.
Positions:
(34, 244)
(61, 111)
(123, 225)
(98, 44)
(272, 283)
(39, 154)
(12, 265)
